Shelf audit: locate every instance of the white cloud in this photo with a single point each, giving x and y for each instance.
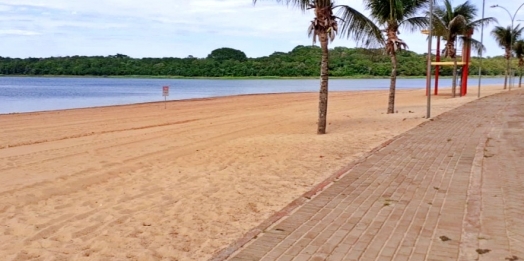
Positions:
(174, 27)
(4, 8)
(18, 32)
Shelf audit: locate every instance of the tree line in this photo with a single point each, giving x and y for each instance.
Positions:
(302, 61)
(380, 28)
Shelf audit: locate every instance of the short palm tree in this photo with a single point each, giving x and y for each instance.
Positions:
(324, 27)
(504, 36)
(392, 15)
(451, 22)
(518, 48)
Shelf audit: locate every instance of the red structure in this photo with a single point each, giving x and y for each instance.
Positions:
(466, 58)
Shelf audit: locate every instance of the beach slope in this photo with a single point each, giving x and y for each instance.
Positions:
(140, 182)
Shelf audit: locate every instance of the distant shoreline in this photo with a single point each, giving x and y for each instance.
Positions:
(356, 77)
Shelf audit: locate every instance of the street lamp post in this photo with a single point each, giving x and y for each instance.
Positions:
(428, 66)
(512, 38)
(481, 43)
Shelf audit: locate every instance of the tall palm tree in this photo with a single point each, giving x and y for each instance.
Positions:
(391, 15)
(452, 22)
(504, 37)
(518, 48)
(324, 27)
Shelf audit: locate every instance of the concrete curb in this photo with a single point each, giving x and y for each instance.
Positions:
(253, 233)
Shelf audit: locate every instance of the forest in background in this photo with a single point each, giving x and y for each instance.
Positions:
(302, 61)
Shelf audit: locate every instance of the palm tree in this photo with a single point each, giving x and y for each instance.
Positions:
(504, 37)
(451, 22)
(518, 48)
(324, 27)
(391, 15)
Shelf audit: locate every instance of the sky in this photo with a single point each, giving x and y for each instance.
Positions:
(179, 28)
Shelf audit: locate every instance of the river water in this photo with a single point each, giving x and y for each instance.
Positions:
(29, 94)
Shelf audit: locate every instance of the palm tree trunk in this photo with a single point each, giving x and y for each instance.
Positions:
(393, 83)
(454, 82)
(520, 78)
(507, 74)
(393, 44)
(324, 77)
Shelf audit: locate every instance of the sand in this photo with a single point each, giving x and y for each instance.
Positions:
(141, 182)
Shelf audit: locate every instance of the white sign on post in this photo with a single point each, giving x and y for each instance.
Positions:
(165, 93)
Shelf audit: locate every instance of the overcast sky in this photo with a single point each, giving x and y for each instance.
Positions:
(177, 28)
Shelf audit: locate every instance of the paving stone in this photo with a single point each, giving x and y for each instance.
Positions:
(416, 198)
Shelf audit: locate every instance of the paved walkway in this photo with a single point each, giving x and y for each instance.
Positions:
(450, 189)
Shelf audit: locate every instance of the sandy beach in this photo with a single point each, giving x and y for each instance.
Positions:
(140, 182)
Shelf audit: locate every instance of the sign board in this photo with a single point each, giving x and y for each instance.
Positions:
(165, 91)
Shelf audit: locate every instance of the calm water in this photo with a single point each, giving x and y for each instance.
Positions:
(28, 94)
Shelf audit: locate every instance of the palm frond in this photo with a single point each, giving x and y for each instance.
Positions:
(518, 48)
(301, 4)
(449, 13)
(386, 10)
(467, 10)
(359, 27)
(457, 25)
(476, 45)
(517, 32)
(311, 32)
(504, 36)
(412, 7)
(413, 24)
(439, 27)
(380, 10)
(438, 11)
(478, 23)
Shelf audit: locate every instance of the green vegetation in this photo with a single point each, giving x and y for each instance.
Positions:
(302, 61)
(224, 54)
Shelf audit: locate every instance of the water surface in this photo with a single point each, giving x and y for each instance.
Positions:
(29, 94)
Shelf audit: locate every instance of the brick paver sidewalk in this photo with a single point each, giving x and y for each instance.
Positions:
(450, 189)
